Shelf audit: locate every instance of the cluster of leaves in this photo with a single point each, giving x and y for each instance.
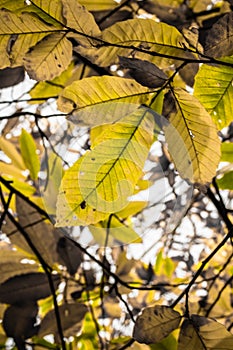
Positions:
(136, 74)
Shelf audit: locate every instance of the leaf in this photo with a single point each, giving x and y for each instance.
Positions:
(213, 87)
(227, 152)
(22, 32)
(70, 254)
(144, 72)
(192, 139)
(19, 322)
(226, 182)
(54, 9)
(26, 287)
(219, 39)
(10, 76)
(49, 58)
(107, 98)
(11, 264)
(70, 314)
(81, 21)
(116, 232)
(106, 176)
(98, 5)
(10, 150)
(122, 38)
(155, 323)
(28, 152)
(38, 231)
(204, 333)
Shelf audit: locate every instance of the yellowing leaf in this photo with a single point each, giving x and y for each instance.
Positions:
(204, 333)
(28, 152)
(49, 58)
(155, 323)
(98, 5)
(213, 87)
(101, 181)
(192, 139)
(27, 29)
(53, 9)
(117, 231)
(10, 150)
(147, 34)
(78, 18)
(96, 99)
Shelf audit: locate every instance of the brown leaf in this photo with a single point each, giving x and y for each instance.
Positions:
(219, 39)
(70, 254)
(26, 288)
(144, 72)
(70, 314)
(19, 322)
(155, 323)
(11, 76)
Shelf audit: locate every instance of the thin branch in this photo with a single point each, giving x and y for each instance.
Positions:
(201, 268)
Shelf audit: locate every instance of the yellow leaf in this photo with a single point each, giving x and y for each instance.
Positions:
(145, 34)
(49, 58)
(27, 29)
(78, 18)
(98, 5)
(155, 323)
(117, 231)
(204, 333)
(192, 139)
(10, 150)
(101, 100)
(101, 181)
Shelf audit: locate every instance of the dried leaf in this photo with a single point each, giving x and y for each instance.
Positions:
(219, 39)
(26, 287)
(155, 323)
(70, 314)
(144, 72)
(70, 254)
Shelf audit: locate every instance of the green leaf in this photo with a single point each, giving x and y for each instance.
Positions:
(226, 182)
(192, 139)
(28, 152)
(121, 38)
(81, 21)
(169, 343)
(101, 100)
(213, 87)
(49, 58)
(227, 152)
(101, 181)
(27, 29)
(204, 333)
(155, 323)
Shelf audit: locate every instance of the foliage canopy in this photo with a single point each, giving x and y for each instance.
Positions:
(116, 174)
